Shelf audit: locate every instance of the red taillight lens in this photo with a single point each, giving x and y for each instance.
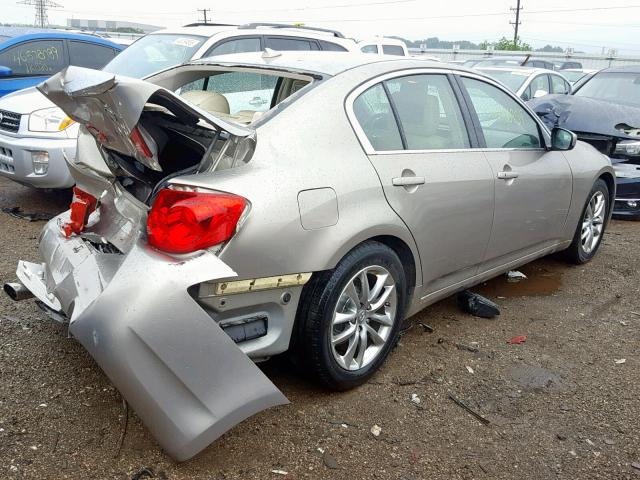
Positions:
(182, 222)
(138, 140)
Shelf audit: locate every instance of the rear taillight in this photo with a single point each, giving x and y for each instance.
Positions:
(183, 222)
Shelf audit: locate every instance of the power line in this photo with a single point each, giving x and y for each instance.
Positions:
(41, 7)
(204, 14)
(516, 24)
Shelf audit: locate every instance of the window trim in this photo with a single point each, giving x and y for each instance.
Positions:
(362, 136)
(543, 131)
(222, 41)
(290, 37)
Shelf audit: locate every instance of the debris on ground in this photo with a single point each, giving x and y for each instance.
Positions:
(16, 212)
(460, 403)
(620, 361)
(427, 328)
(329, 461)
(376, 430)
(477, 305)
(636, 314)
(514, 276)
(279, 472)
(415, 398)
(473, 348)
(636, 465)
(517, 340)
(469, 369)
(144, 473)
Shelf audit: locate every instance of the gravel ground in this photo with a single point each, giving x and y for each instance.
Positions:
(556, 406)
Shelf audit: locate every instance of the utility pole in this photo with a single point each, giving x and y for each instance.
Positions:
(204, 14)
(516, 23)
(41, 6)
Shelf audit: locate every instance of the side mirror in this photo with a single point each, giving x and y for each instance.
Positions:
(562, 139)
(540, 93)
(5, 71)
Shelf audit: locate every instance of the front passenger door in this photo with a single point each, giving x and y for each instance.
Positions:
(533, 186)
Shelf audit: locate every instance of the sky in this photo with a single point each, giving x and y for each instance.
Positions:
(586, 25)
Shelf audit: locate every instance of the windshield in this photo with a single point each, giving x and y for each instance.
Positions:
(613, 87)
(572, 76)
(512, 80)
(154, 53)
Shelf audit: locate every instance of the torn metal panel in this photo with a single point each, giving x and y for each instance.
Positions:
(184, 376)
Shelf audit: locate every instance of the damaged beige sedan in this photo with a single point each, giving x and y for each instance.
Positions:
(234, 208)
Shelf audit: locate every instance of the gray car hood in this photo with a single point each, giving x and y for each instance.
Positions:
(588, 115)
(25, 101)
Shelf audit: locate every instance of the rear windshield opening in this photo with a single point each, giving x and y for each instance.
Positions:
(239, 96)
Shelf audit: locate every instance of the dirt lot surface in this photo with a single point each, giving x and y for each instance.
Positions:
(561, 405)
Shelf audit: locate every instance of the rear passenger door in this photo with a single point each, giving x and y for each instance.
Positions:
(417, 137)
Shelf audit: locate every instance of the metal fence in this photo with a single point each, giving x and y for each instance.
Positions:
(587, 60)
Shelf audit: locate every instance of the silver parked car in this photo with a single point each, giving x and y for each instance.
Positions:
(528, 83)
(201, 238)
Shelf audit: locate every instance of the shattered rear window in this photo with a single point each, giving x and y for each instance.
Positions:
(617, 87)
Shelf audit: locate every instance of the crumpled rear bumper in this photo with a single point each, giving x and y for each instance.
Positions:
(181, 373)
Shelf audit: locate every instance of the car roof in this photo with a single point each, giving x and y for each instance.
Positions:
(209, 30)
(623, 69)
(60, 36)
(321, 62)
(528, 70)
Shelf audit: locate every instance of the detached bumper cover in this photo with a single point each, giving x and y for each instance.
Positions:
(185, 378)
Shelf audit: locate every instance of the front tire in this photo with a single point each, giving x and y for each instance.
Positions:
(349, 317)
(590, 229)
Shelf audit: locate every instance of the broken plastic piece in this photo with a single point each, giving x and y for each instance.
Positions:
(82, 205)
(517, 340)
(477, 305)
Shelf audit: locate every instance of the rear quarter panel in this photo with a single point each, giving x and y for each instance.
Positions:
(308, 145)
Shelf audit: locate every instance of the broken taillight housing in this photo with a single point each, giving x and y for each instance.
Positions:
(185, 221)
(82, 205)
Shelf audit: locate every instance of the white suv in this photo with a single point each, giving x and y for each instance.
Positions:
(37, 158)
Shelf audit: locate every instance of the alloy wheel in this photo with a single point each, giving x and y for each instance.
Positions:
(593, 222)
(363, 317)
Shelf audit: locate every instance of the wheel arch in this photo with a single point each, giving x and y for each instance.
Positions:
(611, 185)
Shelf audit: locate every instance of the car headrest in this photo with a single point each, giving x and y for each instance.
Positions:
(207, 100)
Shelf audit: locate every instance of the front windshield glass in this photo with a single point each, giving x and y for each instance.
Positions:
(154, 53)
(613, 87)
(512, 80)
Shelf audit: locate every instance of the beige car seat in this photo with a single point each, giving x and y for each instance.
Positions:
(209, 101)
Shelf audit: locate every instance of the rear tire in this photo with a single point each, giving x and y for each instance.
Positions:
(591, 227)
(346, 328)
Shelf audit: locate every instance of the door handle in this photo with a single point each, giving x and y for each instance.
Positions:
(407, 181)
(507, 175)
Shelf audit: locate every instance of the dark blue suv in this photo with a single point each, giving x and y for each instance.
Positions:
(27, 60)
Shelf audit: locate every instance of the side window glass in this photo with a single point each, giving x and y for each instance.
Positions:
(393, 50)
(558, 85)
(374, 114)
(332, 47)
(238, 45)
(369, 49)
(504, 123)
(429, 112)
(288, 44)
(539, 86)
(40, 57)
(89, 55)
